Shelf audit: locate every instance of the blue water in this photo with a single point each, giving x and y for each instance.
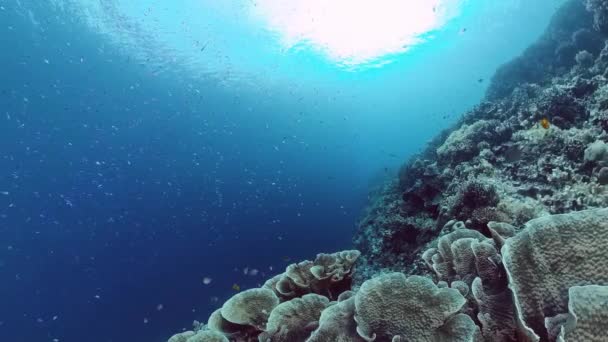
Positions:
(125, 181)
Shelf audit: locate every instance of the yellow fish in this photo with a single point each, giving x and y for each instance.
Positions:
(544, 123)
(236, 287)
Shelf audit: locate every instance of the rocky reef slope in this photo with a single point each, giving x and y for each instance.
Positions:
(535, 146)
(496, 232)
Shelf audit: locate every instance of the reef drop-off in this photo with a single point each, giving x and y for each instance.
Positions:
(495, 232)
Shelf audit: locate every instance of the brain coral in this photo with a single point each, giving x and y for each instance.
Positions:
(550, 255)
(394, 307)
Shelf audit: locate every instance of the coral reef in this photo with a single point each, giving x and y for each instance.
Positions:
(250, 307)
(328, 275)
(375, 312)
(551, 255)
(547, 283)
(498, 163)
(495, 232)
(294, 320)
(393, 307)
(600, 14)
(570, 31)
(587, 318)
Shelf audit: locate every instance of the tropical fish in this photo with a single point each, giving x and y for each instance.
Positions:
(544, 123)
(236, 287)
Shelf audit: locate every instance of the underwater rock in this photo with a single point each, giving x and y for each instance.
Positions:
(600, 14)
(562, 106)
(597, 152)
(390, 235)
(570, 31)
(476, 200)
(584, 58)
(602, 176)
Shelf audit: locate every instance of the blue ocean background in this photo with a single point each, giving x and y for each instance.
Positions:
(131, 169)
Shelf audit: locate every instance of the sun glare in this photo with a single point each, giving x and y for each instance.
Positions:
(353, 32)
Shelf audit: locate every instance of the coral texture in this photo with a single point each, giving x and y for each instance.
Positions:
(250, 307)
(328, 275)
(551, 255)
(493, 233)
(410, 309)
(203, 335)
(588, 314)
(470, 263)
(498, 163)
(294, 320)
(555, 291)
(337, 324)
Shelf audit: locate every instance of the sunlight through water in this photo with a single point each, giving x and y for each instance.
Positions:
(263, 41)
(354, 32)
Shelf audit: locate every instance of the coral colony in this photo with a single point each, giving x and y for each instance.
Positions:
(495, 232)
